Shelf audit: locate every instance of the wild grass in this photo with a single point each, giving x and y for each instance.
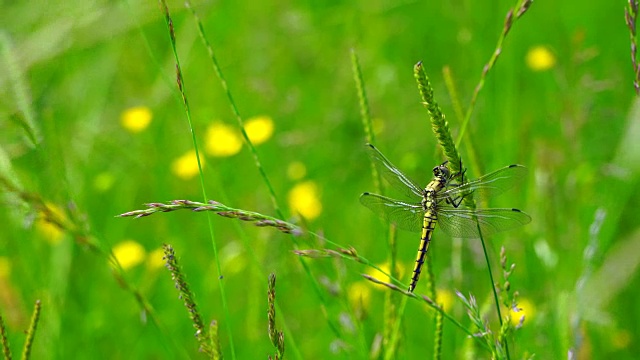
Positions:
(631, 16)
(202, 335)
(30, 334)
(564, 285)
(442, 132)
(276, 336)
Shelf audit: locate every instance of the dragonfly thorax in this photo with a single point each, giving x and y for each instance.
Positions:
(440, 178)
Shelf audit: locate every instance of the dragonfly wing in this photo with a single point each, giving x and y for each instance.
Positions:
(392, 174)
(406, 216)
(461, 222)
(491, 184)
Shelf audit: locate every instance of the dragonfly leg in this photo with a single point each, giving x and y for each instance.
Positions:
(459, 174)
(461, 171)
(455, 202)
(456, 180)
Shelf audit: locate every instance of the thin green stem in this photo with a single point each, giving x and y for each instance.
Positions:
(234, 109)
(31, 333)
(261, 221)
(254, 153)
(513, 14)
(6, 351)
(468, 142)
(181, 88)
(394, 340)
(391, 314)
(630, 17)
(460, 116)
(351, 254)
(431, 292)
(493, 284)
(437, 341)
(431, 304)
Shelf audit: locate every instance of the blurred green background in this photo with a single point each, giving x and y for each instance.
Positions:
(559, 101)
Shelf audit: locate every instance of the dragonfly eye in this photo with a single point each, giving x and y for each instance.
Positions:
(440, 171)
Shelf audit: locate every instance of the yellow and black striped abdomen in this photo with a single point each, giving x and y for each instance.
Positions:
(429, 224)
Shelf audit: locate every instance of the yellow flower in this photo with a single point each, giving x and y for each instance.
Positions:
(129, 253)
(155, 259)
(359, 294)
(528, 310)
(540, 58)
(5, 267)
(136, 119)
(47, 223)
(259, 129)
(304, 200)
(296, 170)
(103, 182)
(186, 166)
(222, 140)
(445, 299)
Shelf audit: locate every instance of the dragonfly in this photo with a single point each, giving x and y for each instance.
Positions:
(441, 202)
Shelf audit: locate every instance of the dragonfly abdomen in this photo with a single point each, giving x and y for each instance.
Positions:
(429, 224)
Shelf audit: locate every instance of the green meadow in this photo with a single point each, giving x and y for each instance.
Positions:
(233, 136)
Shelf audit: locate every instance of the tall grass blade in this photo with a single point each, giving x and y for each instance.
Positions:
(185, 102)
(31, 333)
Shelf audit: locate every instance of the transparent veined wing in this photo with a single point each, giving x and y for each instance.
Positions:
(489, 185)
(393, 175)
(405, 215)
(461, 222)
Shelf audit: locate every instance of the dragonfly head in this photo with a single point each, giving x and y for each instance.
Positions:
(441, 171)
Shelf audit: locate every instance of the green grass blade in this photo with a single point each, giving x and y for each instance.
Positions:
(185, 102)
(256, 158)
